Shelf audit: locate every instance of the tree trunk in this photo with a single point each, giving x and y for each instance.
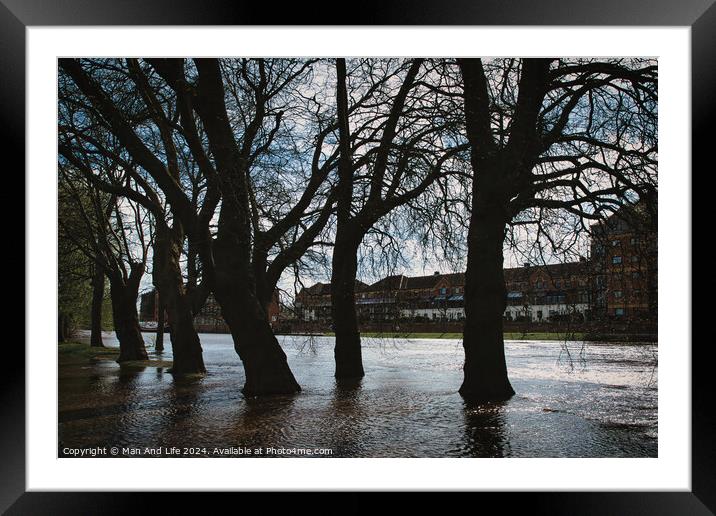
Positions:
(265, 364)
(159, 339)
(186, 346)
(347, 352)
(96, 310)
(126, 322)
(349, 360)
(485, 368)
(264, 291)
(61, 327)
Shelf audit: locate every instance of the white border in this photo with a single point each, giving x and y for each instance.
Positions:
(671, 470)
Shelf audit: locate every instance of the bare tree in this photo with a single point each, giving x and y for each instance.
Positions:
(391, 151)
(546, 135)
(113, 235)
(102, 161)
(228, 118)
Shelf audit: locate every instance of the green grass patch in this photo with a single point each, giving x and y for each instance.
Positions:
(436, 335)
(544, 336)
(81, 350)
(78, 352)
(411, 335)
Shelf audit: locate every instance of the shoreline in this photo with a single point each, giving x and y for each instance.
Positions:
(549, 336)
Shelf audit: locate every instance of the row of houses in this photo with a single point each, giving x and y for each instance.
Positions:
(533, 294)
(618, 281)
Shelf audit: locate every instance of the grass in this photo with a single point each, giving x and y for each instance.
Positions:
(508, 336)
(78, 352)
(544, 336)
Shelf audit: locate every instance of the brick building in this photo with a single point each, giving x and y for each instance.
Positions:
(549, 292)
(625, 265)
(209, 318)
(314, 303)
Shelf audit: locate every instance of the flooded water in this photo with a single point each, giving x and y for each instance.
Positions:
(573, 400)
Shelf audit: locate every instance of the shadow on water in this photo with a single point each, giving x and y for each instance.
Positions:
(265, 421)
(183, 398)
(127, 391)
(345, 419)
(177, 410)
(485, 429)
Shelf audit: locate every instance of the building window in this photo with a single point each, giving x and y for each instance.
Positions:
(616, 260)
(635, 258)
(635, 275)
(618, 311)
(615, 243)
(617, 294)
(539, 284)
(634, 240)
(443, 290)
(557, 284)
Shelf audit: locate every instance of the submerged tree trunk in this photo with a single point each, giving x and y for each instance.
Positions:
(265, 363)
(485, 301)
(497, 178)
(186, 347)
(126, 321)
(348, 356)
(96, 310)
(159, 339)
(347, 352)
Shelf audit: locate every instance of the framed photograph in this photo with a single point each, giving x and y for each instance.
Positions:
(419, 252)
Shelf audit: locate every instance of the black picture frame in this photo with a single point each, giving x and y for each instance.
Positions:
(700, 15)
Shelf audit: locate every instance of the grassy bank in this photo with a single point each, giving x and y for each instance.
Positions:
(508, 336)
(82, 353)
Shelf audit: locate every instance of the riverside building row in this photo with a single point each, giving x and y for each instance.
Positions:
(617, 282)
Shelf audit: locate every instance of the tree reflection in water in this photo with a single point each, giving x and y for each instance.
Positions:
(485, 430)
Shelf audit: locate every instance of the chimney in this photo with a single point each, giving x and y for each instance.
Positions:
(526, 264)
(436, 273)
